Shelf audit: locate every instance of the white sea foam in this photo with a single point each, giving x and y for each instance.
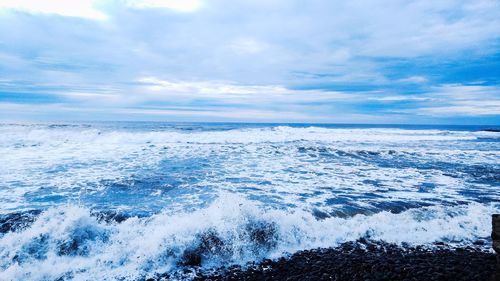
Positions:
(142, 246)
(69, 161)
(43, 135)
(266, 182)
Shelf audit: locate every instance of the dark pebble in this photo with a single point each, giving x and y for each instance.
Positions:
(355, 261)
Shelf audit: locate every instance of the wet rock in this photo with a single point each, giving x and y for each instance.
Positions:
(78, 243)
(368, 260)
(207, 244)
(37, 249)
(17, 221)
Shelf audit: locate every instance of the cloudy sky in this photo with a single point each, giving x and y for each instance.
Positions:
(357, 61)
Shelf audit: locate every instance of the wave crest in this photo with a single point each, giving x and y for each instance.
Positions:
(73, 243)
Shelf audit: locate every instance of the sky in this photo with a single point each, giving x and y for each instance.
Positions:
(315, 61)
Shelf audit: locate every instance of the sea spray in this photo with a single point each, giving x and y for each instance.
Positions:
(71, 242)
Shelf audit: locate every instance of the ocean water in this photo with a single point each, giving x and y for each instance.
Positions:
(233, 193)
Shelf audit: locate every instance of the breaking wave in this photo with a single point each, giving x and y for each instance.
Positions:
(71, 243)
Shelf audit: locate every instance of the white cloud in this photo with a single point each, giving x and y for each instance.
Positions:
(40, 112)
(466, 92)
(89, 8)
(401, 98)
(413, 80)
(251, 53)
(247, 46)
(469, 109)
(177, 5)
(227, 113)
(158, 89)
(69, 8)
(460, 100)
(251, 42)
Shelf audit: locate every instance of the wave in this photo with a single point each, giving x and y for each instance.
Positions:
(68, 242)
(36, 135)
(43, 166)
(212, 197)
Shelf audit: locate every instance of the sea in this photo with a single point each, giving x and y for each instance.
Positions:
(130, 200)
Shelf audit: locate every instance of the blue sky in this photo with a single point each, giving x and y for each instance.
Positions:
(388, 61)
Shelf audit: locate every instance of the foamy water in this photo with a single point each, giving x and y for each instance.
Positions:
(233, 193)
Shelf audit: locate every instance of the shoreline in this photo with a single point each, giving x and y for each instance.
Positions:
(362, 260)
